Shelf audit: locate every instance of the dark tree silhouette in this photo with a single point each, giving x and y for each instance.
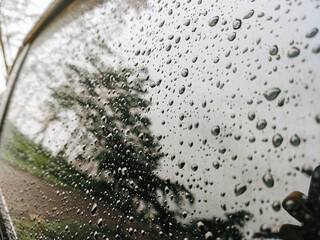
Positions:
(109, 106)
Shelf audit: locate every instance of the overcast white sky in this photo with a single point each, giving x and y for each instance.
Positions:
(36, 7)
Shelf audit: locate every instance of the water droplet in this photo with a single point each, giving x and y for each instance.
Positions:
(99, 222)
(249, 14)
(277, 140)
(293, 52)
(232, 36)
(216, 164)
(240, 188)
(213, 21)
(268, 180)
(181, 164)
(127, 132)
(215, 130)
(208, 236)
(273, 50)
(182, 89)
(261, 124)
(316, 49)
(194, 167)
(94, 209)
(276, 206)
(317, 118)
(295, 140)
(185, 72)
(222, 150)
(312, 33)
(271, 93)
(251, 116)
(236, 24)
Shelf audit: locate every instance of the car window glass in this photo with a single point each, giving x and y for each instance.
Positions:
(158, 119)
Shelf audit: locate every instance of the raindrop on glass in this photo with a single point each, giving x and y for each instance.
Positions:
(273, 50)
(215, 130)
(261, 124)
(213, 21)
(295, 140)
(293, 52)
(271, 93)
(312, 33)
(236, 24)
(268, 180)
(277, 140)
(239, 189)
(185, 72)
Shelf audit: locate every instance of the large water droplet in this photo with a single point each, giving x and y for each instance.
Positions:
(215, 130)
(268, 180)
(240, 188)
(185, 72)
(312, 33)
(249, 14)
(293, 52)
(295, 140)
(273, 50)
(236, 24)
(271, 93)
(213, 21)
(261, 124)
(277, 140)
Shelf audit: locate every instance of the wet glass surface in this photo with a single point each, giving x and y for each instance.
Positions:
(143, 119)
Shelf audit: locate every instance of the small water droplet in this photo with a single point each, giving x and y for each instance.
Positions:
(222, 150)
(181, 164)
(251, 116)
(213, 21)
(94, 209)
(317, 118)
(261, 124)
(216, 164)
(293, 52)
(236, 24)
(268, 180)
(127, 132)
(232, 36)
(185, 72)
(295, 140)
(277, 140)
(208, 236)
(240, 188)
(316, 49)
(273, 50)
(276, 206)
(99, 222)
(312, 33)
(215, 130)
(271, 93)
(249, 14)
(194, 167)
(182, 89)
